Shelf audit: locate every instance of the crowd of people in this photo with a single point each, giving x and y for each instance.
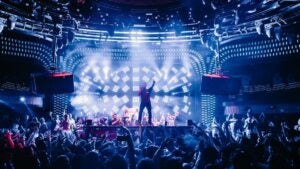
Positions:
(248, 142)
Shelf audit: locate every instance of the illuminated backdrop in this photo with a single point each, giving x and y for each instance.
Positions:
(107, 78)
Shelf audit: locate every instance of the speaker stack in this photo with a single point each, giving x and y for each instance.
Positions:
(54, 83)
(215, 84)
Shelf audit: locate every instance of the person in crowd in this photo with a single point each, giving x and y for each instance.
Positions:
(156, 148)
(126, 119)
(250, 124)
(72, 122)
(215, 128)
(56, 123)
(297, 126)
(116, 120)
(44, 125)
(233, 126)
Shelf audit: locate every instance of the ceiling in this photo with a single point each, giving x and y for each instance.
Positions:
(144, 2)
(115, 19)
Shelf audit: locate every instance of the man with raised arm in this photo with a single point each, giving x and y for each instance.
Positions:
(144, 94)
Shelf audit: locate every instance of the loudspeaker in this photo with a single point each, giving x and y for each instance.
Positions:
(55, 83)
(220, 85)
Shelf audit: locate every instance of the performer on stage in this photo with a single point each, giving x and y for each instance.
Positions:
(144, 94)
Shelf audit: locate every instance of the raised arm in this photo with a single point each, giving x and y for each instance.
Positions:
(152, 85)
(130, 148)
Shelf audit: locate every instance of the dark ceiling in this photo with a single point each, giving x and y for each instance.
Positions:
(85, 16)
(144, 2)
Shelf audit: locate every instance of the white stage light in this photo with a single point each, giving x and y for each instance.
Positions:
(106, 88)
(174, 70)
(135, 99)
(95, 108)
(116, 89)
(125, 78)
(185, 89)
(105, 71)
(95, 70)
(135, 79)
(135, 70)
(115, 109)
(156, 109)
(183, 70)
(165, 89)
(116, 79)
(166, 99)
(105, 99)
(258, 26)
(156, 88)
(174, 79)
(135, 88)
(22, 99)
(185, 109)
(86, 79)
(268, 29)
(126, 69)
(146, 70)
(189, 74)
(1, 26)
(125, 88)
(184, 79)
(175, 109)
(146, 79)
(125, 99)
(85, 88)
(96, 79)
(115, 98)
(156, 78)
(185, 99)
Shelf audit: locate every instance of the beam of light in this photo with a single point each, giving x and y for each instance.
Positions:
(105, 71)
(166, 72)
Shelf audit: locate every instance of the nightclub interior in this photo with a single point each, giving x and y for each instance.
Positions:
(150, 84)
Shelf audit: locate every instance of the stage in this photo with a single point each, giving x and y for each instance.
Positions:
(153, 133)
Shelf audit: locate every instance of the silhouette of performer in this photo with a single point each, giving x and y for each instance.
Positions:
(144, 94)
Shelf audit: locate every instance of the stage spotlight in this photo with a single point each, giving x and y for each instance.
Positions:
(22, 99)
(258, 26)
(105, 71)
(278, 33)
(213, 6)
(236, 17)
(11, 22)
(1, 26)
(269, 28)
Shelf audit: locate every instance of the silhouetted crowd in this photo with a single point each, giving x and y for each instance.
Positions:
(248, 142)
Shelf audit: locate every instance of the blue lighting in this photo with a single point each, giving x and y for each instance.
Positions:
(22, 99)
